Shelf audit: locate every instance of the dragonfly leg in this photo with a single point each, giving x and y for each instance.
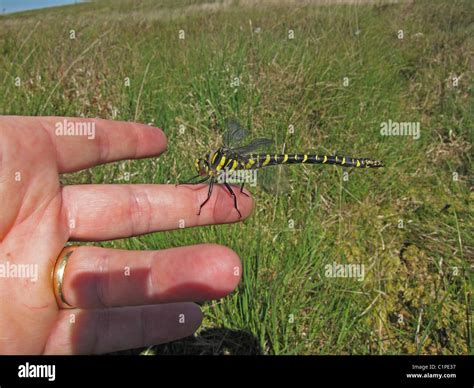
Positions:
(235, 198)
(190, 181)
(209, 193)
(242, 189)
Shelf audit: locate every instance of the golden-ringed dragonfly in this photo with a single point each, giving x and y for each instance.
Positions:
(232, 158)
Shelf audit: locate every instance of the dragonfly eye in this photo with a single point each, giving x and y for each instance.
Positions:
(202, 167)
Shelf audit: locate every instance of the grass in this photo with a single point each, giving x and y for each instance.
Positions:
(416, 297)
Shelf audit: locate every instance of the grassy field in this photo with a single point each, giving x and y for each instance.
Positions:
(345, 72)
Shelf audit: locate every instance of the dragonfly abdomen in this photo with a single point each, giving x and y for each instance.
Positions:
(264, 160)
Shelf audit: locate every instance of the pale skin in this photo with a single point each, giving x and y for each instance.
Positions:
(123, 299)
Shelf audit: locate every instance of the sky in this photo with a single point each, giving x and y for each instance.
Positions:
(9, 6)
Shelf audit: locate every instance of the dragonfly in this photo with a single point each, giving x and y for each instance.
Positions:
(233, 157)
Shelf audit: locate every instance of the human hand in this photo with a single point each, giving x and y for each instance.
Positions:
(122, 299)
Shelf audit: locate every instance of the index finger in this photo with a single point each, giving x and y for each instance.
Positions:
(82, 143)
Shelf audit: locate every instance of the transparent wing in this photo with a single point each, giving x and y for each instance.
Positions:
(234, 134)
(274, 180)
(254, 145)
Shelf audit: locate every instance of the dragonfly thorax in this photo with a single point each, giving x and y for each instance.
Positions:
(213, 163)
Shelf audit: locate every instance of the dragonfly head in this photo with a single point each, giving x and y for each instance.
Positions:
(202, 166)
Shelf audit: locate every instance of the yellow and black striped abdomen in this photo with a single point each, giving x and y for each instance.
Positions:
(264, 160)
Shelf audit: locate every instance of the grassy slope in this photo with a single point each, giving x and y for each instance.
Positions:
(285, 304)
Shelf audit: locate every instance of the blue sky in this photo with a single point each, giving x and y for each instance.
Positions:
(8, 6)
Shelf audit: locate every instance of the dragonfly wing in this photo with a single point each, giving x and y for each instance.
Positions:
(274, 180)
(254, 145)
(235, 132)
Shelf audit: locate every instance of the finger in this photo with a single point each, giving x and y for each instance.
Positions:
(104, 212)
(100, 277)
(82, 143)
(110, 330)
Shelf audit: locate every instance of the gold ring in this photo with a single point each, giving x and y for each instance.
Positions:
(58, 274)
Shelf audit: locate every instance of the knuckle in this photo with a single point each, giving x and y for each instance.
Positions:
(139, 211)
